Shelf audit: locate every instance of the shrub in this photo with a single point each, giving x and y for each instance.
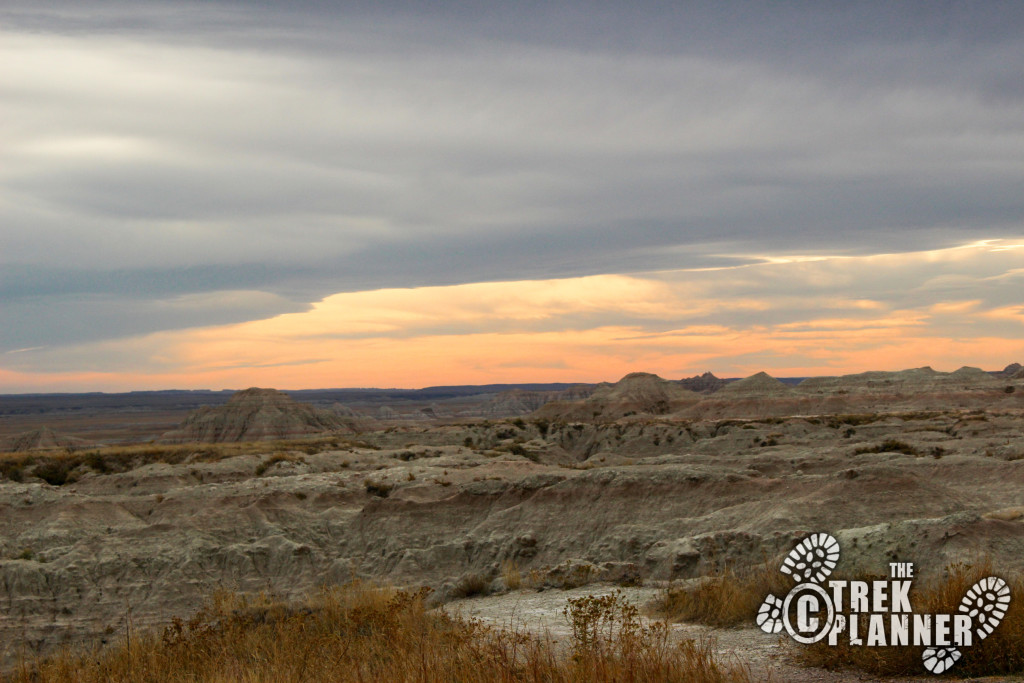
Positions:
(472, 584)
(13, 468)
(56, 471)
(381, 489)
(608, 635)
(889, 446)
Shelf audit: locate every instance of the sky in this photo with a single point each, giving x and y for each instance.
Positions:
(401, 194)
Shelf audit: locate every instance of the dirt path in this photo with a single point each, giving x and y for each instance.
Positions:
(769, 657)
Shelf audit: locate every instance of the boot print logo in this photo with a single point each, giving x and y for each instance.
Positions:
(879, 612)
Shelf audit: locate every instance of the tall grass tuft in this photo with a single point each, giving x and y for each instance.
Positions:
(728, 598)
(362, 632)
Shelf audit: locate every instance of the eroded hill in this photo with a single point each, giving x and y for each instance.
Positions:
(928, 475)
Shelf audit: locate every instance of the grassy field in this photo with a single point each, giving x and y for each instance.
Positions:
(362, 632)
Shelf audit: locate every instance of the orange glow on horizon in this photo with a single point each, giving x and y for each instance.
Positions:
(783, 317)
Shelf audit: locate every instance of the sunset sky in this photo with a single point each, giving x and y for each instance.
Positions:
(401, 194)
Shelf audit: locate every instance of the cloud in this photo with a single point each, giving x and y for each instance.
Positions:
(792, 316)
(158, 152)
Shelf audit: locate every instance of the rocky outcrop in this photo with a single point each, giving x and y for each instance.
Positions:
(42, 439)
(642, 395)
(703, 384)
(257, 415)
(761, 384)
(1013, 370)
(352, 419)
(517, 402)
(637, 393)
(908, 382)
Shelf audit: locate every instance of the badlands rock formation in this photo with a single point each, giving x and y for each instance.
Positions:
(41, 439)
(706, 383)
(258, 415)
(1011, 371)
(353, 420)
(518, 402)
(667, 494)
(761, 395)
(636, 393)
(762, 384)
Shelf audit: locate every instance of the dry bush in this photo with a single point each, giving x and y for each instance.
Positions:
(727, 598)
(610, 642)
(535, 579)
(361, 632)
(889, 446)
(472, 584)
(1000, 653)
(381, 489)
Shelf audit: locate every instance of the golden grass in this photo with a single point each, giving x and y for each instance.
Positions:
(1000, 653)
(361, 632)
(511, 575)
(727, 598)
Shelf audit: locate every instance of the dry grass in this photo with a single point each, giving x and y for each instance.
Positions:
(1000, 653)
(59, 467)
(472, 584)
(511, 575)
(728, 598)
(366, 633)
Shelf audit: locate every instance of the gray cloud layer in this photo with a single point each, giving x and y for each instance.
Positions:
(167, 165)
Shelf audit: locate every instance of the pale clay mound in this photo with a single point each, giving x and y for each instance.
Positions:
(636, 393)
(761, 384)
(258, 415)
(641, 498)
